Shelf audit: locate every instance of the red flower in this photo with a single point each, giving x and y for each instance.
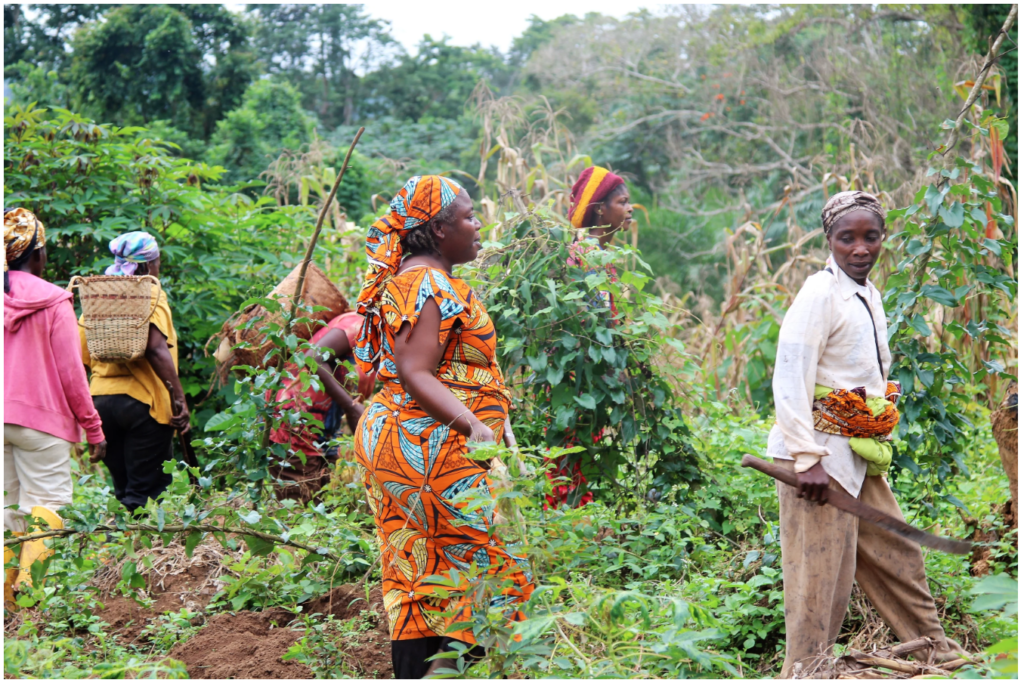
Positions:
(719, 97)
(706, 116)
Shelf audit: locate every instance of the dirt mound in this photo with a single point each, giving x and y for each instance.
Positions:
(367, 645)
(242, 645)
(186, 590)
(251, 644)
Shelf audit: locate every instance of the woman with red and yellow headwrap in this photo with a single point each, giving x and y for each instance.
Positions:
(599, 204)
(433, 346)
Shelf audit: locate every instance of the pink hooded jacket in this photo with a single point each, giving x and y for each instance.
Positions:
(45, 387)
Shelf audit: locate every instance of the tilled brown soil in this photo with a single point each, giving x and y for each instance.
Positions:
(251, 644)
(127, 618)
(242, 645)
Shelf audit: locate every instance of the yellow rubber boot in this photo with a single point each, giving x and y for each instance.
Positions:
(36, 551)
(10, 574)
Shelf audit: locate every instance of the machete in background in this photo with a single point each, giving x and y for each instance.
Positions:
(186, 444)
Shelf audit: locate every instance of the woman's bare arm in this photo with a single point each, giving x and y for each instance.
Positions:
(417, 355)
(336, 341)
(159, 357)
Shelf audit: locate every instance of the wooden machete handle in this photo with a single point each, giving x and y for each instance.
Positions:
(772, 470)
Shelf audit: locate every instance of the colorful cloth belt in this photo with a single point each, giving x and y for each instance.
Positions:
(869, 422)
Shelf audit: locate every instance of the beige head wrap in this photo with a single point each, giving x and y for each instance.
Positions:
(843, 203)
(21, 230)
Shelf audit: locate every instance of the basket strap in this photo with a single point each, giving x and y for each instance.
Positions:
(72, 283)
(156, 301)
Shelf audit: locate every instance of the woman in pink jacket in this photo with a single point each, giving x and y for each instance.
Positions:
(46, 395)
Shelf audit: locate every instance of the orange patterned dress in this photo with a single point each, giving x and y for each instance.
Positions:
(413, 466)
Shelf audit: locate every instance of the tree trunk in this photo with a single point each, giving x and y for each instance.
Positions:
(1004, 428)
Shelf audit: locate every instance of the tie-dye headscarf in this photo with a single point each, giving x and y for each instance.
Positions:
(843, 203)
(422, 198)
(591, 188)
(131, 249)
(23, 234)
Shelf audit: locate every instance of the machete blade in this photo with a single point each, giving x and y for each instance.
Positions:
(844, 501)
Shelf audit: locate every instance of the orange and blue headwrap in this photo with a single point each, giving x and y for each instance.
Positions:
(422, 198)
(591, 189)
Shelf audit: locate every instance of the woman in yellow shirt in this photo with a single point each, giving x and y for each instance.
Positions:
(139, 414)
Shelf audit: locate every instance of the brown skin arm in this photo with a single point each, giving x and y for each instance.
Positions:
(336, 341)
(159, 357)
(813, 484)
(417, 355)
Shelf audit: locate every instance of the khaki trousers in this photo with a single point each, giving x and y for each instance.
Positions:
(37, 472)
(823, 550)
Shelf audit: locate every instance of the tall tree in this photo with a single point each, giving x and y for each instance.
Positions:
(269, 121)
(43, 40)
(140, 64)
(437, 81)
(228, 61)
(319, 49)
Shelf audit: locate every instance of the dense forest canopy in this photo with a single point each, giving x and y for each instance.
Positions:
(715, 114)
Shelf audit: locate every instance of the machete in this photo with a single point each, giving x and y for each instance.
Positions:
(187, 451)
(847, 503)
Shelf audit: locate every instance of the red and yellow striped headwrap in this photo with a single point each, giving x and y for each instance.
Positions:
(422, 198)
(593, 186)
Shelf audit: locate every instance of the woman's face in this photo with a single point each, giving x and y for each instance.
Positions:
(616, 209)
(856, 241)
(615, 212)
(149, 268)
(37, 264)
(459, 240)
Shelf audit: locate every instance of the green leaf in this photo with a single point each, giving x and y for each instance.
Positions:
(251, 517)
(191, 541)
(920, 325)
(939, 294)
(531, 630)
(1001, 127)
(993, 246)
(995, 592)
(1005, 645)
(933, 198)
(259, 546)
(953, 215)
(587, 401)
(916, 247)
(221, 422)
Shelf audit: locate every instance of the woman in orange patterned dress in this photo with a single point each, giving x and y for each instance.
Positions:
(433, 346)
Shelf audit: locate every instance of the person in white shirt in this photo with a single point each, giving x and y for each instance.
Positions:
(835, 412)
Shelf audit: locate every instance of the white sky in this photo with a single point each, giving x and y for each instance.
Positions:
(488, 22)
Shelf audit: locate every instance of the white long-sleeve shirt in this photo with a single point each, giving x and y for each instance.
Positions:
(826, 338)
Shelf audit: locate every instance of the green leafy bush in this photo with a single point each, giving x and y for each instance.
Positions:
(581, 378)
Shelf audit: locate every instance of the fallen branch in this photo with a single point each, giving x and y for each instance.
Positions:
(168, 529)
(910, 646)
(979, 81)
(891, 664)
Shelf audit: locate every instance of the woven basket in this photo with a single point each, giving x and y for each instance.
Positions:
(317, 290)
(115, 314)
